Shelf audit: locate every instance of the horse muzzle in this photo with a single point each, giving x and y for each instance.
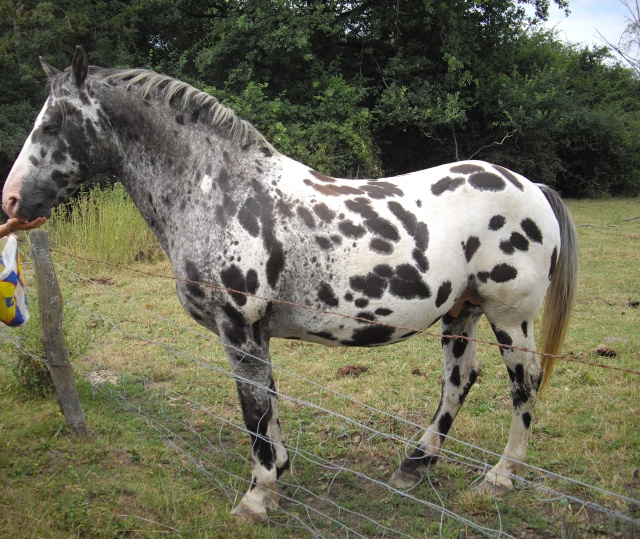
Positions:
(37, 206)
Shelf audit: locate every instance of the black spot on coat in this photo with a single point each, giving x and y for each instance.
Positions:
(422, 237)
(467, 168)
(454, 378)
(502, 273)
(306, 216)
(520, 389)
(383, 270)
(443, 293)
(323, 242)
(446, 184)
(510, 176)
(248, 216)
(324, 213)
(444, 424)
(503, 337)
(326, 295)
(473, 375)
(223, 179)
(382, 227)
(407, 283)
(381, 189)
(408, 219)
(516, 241)
(381, 246)
(275, 264)
(371, 285)
(362, 206)
(233, 279)
(323, 335)
(193, 275)
(497, 222)
(531, 230)
(351, 230)
(421, 260)
(460, 346)
(487, 181)
(370, 336)
(470, 247)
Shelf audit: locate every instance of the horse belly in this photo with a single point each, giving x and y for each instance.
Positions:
(376, 325)
(368, 300)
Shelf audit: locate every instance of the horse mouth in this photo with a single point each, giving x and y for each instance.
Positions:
(41, 210)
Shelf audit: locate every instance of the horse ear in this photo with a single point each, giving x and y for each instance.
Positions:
(80, 66)
(49, 70)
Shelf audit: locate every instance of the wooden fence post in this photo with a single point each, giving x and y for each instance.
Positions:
(57, 357)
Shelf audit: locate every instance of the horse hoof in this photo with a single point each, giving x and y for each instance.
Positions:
(405, 480)
(248, 514)
(494, 488)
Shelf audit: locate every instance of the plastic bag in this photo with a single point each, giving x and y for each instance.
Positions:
(13, 300)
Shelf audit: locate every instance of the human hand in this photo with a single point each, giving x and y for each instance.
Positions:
(15, 224)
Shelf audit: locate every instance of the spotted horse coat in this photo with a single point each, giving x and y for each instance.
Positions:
(368, 258)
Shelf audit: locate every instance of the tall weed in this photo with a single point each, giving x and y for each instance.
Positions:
(104, 224)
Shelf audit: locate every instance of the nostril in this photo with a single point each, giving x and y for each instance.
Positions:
(11, 206)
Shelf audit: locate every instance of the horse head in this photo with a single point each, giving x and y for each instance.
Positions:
(65, 147)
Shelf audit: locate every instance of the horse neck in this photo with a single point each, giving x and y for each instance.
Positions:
(172, 165)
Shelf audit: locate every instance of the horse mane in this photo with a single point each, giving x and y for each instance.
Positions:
(176, 94)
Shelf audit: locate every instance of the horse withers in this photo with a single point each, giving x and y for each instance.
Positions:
(366, 258)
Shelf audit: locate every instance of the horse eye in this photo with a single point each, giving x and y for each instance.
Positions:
(51, 129)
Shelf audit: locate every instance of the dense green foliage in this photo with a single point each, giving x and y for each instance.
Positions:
(359, 88)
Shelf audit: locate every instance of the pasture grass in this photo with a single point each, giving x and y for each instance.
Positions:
(163, 458)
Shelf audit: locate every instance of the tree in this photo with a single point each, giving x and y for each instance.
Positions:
(358, 88)
(628, 46)
(29, 29)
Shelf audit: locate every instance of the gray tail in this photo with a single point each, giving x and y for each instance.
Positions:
(561, 293)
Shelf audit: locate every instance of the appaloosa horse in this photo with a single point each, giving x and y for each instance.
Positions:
(449, 243)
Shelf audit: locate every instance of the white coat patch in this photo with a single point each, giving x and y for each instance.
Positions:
(206, 184)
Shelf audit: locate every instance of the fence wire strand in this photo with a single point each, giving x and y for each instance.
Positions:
(426, 332)
(301, 508)
(409, 444)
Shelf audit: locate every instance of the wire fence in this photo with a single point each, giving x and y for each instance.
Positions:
(341, 449)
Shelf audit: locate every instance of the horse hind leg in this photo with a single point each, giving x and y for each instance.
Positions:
(460, 373)
(525, 376)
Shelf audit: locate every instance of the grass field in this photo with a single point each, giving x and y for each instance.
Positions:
(164, 460)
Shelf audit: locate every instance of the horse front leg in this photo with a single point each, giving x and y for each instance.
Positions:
(258, 400)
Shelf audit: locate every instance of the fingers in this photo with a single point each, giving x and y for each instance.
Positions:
(14, 224)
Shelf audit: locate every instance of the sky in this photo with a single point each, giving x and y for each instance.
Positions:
(587, 17)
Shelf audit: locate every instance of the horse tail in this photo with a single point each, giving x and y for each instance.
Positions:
(561, 293)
